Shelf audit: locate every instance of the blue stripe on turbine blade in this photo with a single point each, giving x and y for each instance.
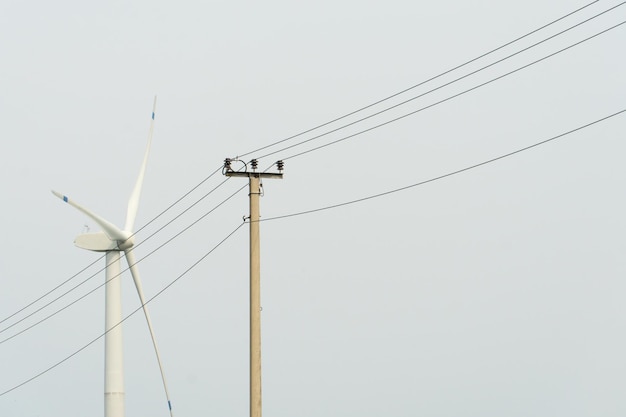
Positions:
(65, 198)
(152, 115)
(169, 404)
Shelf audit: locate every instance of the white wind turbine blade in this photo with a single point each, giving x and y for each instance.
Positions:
(133, 203)
(130, 258)
(112, 231)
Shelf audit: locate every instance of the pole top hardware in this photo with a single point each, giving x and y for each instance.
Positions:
(254, 165)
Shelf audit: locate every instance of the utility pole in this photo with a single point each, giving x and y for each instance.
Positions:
(254, 178)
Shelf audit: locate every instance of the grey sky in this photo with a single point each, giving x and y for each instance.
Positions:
(495, 292)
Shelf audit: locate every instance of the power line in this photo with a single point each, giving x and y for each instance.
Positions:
(125, 318)
(340, 118)
(102, 269)
(444, 85)
(313, 211)
(116, 276)
(422, 82)
(443, 100)
(319, 147)
(329, 207)
(50, 291)
(449, 174)
(97, 260)
(302, 153)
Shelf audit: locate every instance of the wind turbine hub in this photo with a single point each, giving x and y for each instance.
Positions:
(100, 242)
(126, 244)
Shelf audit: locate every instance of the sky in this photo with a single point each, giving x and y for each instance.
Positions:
(495, 291)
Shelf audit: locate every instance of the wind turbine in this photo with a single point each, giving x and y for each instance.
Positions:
(112, 241)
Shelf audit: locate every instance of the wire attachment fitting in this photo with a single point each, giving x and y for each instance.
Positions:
(250, 169)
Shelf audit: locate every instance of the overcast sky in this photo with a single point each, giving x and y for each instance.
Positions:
(495, 292)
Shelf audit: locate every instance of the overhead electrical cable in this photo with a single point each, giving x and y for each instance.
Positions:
(363, 131)
(181, 198)
(420, 83)
(346, 203)
(438, 102)
(327, 123)
(125, 318)
(100, 258)
(120, 273)
(309, 212)
(104, 268)
(51, 291)
(449, 174)
(435, 89)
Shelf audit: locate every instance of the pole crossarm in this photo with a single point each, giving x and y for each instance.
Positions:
(254, 174)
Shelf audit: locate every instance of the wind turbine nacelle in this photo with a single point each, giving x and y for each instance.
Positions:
(100, 242)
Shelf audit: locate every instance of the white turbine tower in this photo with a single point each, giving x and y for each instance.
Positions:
(113, 240)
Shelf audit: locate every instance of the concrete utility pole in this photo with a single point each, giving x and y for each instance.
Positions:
(254, 178)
